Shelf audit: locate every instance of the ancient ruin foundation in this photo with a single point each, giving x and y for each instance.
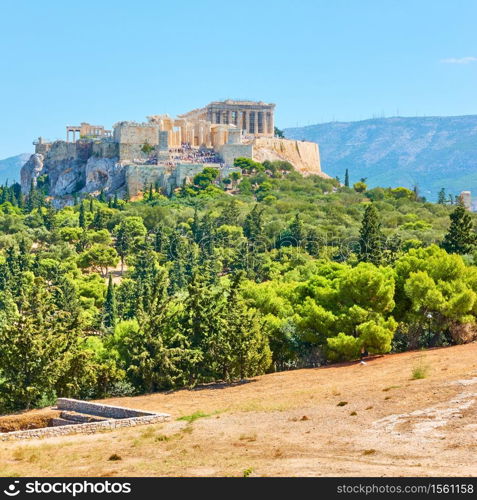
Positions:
(84, 417)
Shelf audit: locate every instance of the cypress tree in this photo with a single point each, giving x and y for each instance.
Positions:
(82, 220)
(98, 220)
(442, 197)
(297, 232)
(371, 238)
(109, 308)
(460, 237)
(115, 202)
(91, 205)
(346, 181)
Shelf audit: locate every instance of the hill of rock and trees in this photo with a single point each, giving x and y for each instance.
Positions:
(264, 271)
(430, 152)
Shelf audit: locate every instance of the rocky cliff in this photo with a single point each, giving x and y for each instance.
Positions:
(72, 168)
(303, 155)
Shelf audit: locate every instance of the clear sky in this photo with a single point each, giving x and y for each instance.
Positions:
(63, 62)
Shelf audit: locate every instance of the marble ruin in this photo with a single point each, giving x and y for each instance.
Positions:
(165, 151)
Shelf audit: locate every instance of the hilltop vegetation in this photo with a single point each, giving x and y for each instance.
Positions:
(117, 297)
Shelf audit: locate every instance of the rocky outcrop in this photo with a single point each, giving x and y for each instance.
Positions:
(103, 173)
(73, 168)
(304, 156)
(30, 171)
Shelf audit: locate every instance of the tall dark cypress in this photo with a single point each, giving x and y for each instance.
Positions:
(371, 238)
(109, 308)
(82, 220)
(346, 181)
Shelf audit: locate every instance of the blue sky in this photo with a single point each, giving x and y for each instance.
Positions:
(63, 62)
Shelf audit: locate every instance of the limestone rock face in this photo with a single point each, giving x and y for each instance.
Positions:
(73, 168)
(303, 155)
(32, 169)
(103, 173)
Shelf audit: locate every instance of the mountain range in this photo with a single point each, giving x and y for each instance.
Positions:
(430, 152)
(10, 168)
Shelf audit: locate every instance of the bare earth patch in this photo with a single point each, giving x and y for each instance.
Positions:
(289, 424)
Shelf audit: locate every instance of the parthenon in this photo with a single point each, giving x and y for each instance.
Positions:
(254, 118)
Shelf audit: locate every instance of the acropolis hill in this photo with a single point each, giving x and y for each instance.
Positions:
(163, 151)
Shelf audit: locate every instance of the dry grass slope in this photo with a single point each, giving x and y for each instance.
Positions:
(289, 424)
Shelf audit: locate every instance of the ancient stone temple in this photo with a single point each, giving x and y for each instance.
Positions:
(86, 130)
(253, 118)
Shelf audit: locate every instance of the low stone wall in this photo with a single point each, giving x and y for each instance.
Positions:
(118, 417)
(98, 409)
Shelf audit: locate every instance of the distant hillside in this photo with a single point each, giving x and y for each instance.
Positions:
(432, 152)
(10, 168)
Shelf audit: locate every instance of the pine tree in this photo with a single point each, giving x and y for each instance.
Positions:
(109, 308)
(346, 181)
(230, 215)
(460, 237)
(102, 196)
(34, 352)
(371, 237)
(160, 354)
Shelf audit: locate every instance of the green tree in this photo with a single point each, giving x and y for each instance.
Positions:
(371, 237)
(35, 336)
(346, 181)
(460, 237)
(109, 308)
(82, 219)
(442, 197)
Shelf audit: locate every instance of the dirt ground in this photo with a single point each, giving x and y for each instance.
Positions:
(342, 420)
(27, 420)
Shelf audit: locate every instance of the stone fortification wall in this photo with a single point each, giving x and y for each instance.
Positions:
(139, 177)
(303, 155)
(228, 152)
(136, 133)
(106, 149)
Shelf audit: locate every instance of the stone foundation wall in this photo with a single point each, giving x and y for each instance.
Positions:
(100, 410)
(119, 417)
(91, 428)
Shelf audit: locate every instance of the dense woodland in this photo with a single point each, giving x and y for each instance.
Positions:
(266, 270)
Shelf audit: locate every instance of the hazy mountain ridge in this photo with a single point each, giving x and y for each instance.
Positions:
(10, 168)
(432, 152)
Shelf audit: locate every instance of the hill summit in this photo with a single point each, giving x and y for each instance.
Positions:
(431, 152)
